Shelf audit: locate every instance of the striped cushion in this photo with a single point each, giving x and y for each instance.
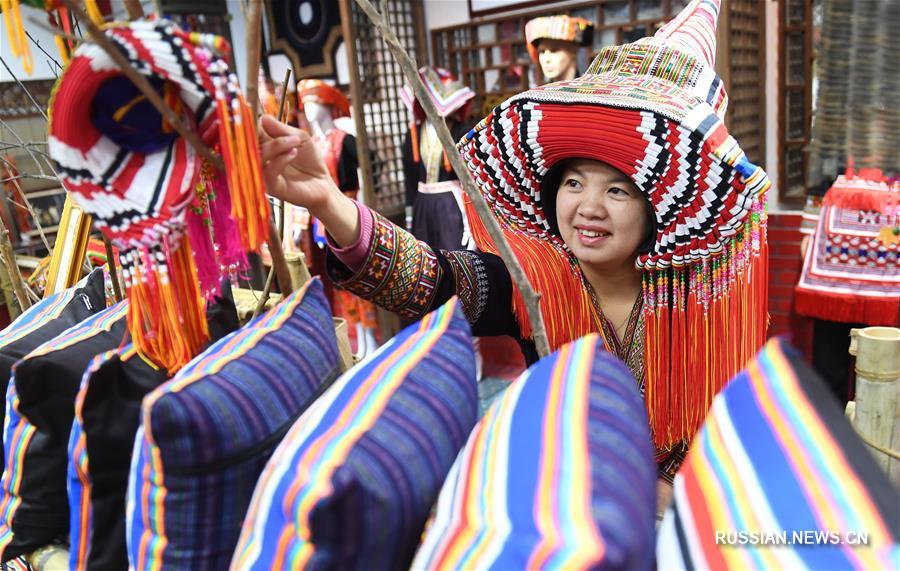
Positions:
(45, 320)
(34, 509)
(107, 415)
(558, 474)
(776, 456)
(354, 480)
(206, 435)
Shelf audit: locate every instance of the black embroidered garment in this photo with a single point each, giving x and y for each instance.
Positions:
(406, 276)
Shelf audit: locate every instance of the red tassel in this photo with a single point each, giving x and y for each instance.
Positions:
(414, 140)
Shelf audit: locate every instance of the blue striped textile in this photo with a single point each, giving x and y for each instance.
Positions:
(45, 320)
(559, 474)
(40, 407)
(206, 435)
(354, 480)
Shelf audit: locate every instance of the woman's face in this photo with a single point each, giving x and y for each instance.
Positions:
(602, 216)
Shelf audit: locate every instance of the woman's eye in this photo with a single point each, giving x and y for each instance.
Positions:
(572, 183)
(615, 190)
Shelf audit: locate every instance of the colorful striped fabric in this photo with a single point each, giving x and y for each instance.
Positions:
(45, 320)
(107, 415)
(40, 407)
(206, 435)
(778, 479)
(559, 474)
(354, 480)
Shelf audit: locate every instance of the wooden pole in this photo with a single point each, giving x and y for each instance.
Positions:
(141, 82)
(279, 263)
(8, 258)
(254, 36)
(134, 9)
(877, 409)
(359, 117)
(409, 68)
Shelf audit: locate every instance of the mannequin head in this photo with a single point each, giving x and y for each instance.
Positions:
(553, 43)
(558, 59)
(319, 116)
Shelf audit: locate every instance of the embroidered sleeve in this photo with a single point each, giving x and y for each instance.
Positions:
(471, 282)
(668, 463)
(400, 273)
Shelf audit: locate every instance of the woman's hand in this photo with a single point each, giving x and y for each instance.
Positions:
(663, 496)
(293, 168)
(295, 172)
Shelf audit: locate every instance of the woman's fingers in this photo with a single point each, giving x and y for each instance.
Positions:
(274, 128)
(272, 148)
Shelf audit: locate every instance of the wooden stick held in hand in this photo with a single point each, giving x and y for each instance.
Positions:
(408, 65)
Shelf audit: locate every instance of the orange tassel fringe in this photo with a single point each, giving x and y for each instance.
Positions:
(166, 315)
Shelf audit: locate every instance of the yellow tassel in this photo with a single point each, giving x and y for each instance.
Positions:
(18, 42)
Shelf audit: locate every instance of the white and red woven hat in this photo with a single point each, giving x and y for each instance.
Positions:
(121, 162)
(449, 95)
(579, 31)
(653, 109)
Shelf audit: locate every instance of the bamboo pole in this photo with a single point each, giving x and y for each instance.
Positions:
(134, 9)
(141, 82)
(8, 257)
(254, 41)
(279, 263)
(409, 67)
(877, 351)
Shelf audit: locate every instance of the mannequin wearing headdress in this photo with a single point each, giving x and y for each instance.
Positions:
(553, 42)
(322, 105)
(433, 200)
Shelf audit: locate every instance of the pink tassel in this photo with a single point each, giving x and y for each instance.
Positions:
(229, 251)
(204, 254)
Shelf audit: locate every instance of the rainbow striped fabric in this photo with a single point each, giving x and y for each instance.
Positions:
(45, 320)
(354, 480)
(107, 414)
(206, 435)
(778, 479)
(558, 474)
(39, 404)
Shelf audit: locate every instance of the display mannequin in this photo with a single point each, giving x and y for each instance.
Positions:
(434, 212)
(553, 42)
(322, 105)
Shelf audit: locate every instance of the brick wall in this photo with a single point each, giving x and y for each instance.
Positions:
(784, 271)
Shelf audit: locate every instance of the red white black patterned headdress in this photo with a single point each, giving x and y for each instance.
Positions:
(147, 189)
(654, 110)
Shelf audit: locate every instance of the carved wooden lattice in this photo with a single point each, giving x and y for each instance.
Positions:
(745, 78)
(379, 80)
(795, 111)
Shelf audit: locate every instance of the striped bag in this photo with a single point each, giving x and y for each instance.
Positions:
(107, 415)
(44, 321)
(778, 479)
(34, 508)
(559, 474)
(206, 435)
(354, 480)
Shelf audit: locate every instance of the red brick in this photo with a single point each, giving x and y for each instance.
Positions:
(784, 219)
(780, 291)
(786, 249)
(786, 235)
(782, 262)
(783, 277)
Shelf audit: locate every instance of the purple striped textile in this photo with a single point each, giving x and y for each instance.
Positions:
(354, 480)
(206, 435)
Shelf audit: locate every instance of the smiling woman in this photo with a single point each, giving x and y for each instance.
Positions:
(631, 209)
